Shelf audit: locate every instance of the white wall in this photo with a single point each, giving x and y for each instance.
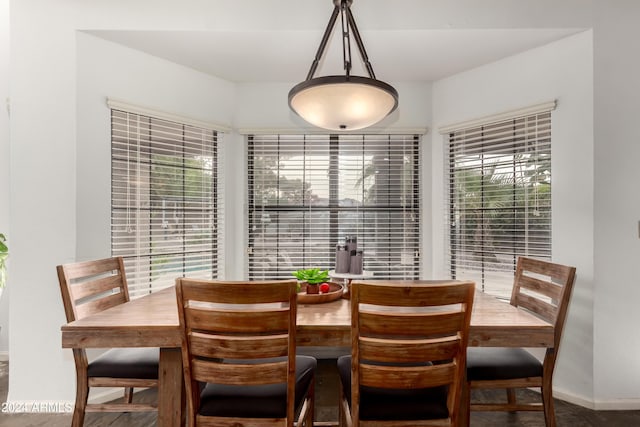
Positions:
(46, 140)
(617, 207)
(4, 164)
(563, 71)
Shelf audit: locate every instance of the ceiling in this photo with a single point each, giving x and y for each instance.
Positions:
(397, 55)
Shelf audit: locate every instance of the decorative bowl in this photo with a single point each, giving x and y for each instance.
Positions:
(335, 292)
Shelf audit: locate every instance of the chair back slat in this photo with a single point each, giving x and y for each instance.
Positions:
(91, 268)
(542, 287)
(98, 305)
(410, 324)
(96, 287)
(543, 309)
(411, 377)
(410, 336)
(232, 320)
(89, 287)
(412, 294)
(236, 292)
(239, 373)
(247, 347)
(411, 351)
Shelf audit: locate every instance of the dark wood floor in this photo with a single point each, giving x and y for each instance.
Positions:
(326, 410)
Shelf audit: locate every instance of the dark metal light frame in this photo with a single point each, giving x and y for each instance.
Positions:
(343, 102)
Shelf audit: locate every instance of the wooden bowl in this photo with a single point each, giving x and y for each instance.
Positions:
(335, 292)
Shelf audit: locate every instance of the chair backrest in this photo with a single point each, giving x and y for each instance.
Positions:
(89, 287)
(544, 288)
(419, 329)
(232, 331)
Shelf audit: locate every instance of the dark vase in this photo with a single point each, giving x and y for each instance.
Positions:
(313, 289)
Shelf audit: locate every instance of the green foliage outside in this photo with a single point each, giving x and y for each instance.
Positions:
(494, 209)
(184, 183)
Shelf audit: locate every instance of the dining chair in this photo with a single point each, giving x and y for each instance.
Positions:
(87, 288)
(408, 351)
(239, 354)
(543, 288)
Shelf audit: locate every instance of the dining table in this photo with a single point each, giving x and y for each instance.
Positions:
(152, 321)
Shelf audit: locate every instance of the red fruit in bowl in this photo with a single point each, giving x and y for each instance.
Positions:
(324, 288)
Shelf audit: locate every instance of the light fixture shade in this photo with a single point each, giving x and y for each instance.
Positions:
(343, 103)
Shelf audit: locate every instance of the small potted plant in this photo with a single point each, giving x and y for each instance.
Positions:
(313, 277)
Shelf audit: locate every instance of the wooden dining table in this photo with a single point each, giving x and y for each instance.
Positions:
(152, 321)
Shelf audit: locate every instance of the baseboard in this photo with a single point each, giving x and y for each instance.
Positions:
(598, 405)
(618, 405)
(572, 398)
(4, 356)
(107, 394)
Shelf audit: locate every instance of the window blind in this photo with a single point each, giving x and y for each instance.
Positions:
(166, 200)
(498, 198)
(308, 192)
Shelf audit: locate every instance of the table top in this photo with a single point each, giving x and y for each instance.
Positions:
(152, 321)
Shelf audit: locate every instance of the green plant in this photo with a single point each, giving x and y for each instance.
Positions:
(312, 276)
(4, 253)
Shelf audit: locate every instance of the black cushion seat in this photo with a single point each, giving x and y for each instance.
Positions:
(393, 404)
(501, 363)
(126, 363)
(258, 401)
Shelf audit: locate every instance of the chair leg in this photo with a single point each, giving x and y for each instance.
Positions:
(312, 404)
(344, 414)
(464, 413)
(340, 410)
(82, 394)
(511, 396)
(547, 403)
(128, 394)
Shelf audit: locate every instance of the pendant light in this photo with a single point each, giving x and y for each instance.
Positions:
(343, 102)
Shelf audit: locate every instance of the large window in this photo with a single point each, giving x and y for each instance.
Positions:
(308, 192)
(498, 195)
(165, 200)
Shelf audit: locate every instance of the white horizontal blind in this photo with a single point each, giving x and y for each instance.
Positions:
(166, 198)
(498, 195)
(308, 192)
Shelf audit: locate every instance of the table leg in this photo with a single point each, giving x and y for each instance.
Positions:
(170, 388)
(465, 402)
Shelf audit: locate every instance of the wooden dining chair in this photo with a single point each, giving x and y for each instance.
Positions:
(543, 288)
(239, 354)
(407, 360)
(87, 288)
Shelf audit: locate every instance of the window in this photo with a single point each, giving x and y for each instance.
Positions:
(308, 192)
(498, 194)
(165, 200)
